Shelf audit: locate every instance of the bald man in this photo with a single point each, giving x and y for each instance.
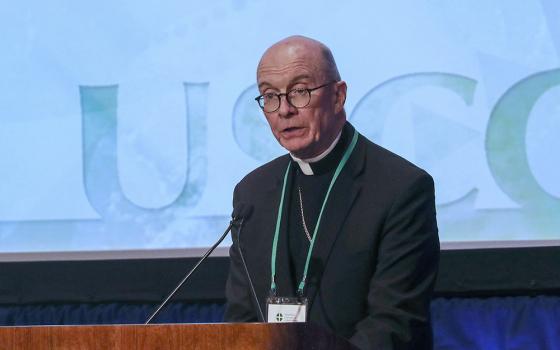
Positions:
(342, 231)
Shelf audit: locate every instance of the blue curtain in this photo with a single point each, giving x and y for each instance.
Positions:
(512, 323)
(111, 313)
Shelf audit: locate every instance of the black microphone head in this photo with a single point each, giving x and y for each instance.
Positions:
(241, 211)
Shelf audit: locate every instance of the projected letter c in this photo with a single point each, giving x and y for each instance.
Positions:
(372, 111)
(505, 141)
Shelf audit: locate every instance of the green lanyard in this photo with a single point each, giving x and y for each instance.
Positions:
(341, 164)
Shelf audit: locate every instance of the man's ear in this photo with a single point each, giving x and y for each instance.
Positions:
(340, 95)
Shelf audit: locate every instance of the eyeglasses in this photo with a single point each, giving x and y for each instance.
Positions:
(298, 98)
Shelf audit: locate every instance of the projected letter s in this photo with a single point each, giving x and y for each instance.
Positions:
(99, 118)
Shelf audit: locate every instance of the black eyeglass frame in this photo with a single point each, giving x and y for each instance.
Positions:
(287, 93)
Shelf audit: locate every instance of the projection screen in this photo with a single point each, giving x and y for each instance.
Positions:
(126, 125)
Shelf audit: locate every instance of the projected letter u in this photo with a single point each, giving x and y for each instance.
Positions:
(101, 180)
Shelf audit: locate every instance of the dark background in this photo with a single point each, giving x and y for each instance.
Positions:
(463, 273)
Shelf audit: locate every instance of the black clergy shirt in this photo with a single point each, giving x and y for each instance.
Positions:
(313, 189)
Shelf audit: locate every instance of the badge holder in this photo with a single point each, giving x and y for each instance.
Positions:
(286, 310)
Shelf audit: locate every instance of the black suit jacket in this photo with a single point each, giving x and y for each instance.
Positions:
(375, 260)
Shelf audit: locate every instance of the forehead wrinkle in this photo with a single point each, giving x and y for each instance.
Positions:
(303, 71)
(282, 71)
(288, 56)
(292, 81)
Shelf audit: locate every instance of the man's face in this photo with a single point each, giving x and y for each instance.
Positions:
(308, 131)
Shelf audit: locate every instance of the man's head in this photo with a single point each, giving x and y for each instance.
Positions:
(301, 63)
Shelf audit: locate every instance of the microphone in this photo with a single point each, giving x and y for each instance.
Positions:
(238, 215)
(254, 294)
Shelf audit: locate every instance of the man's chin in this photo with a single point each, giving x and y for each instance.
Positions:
(302, 152)
(293, 149)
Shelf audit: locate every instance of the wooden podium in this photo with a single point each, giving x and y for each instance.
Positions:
(214, 336)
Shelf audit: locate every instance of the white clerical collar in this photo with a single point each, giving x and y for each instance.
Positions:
(304, 163)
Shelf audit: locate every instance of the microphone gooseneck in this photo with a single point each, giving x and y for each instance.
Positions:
(238, 214)
(254, 294)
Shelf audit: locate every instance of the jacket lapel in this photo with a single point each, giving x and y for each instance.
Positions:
(341, 199)
(284, 279)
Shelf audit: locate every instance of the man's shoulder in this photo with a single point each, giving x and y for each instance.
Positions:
(389, 165)
(265, 174)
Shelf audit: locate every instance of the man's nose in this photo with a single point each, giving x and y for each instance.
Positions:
(285, 109)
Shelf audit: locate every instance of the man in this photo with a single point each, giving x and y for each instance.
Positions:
(340, 222)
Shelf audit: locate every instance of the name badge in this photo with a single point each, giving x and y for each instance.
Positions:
(283, 309)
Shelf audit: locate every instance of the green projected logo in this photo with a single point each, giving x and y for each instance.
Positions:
(536, 211)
